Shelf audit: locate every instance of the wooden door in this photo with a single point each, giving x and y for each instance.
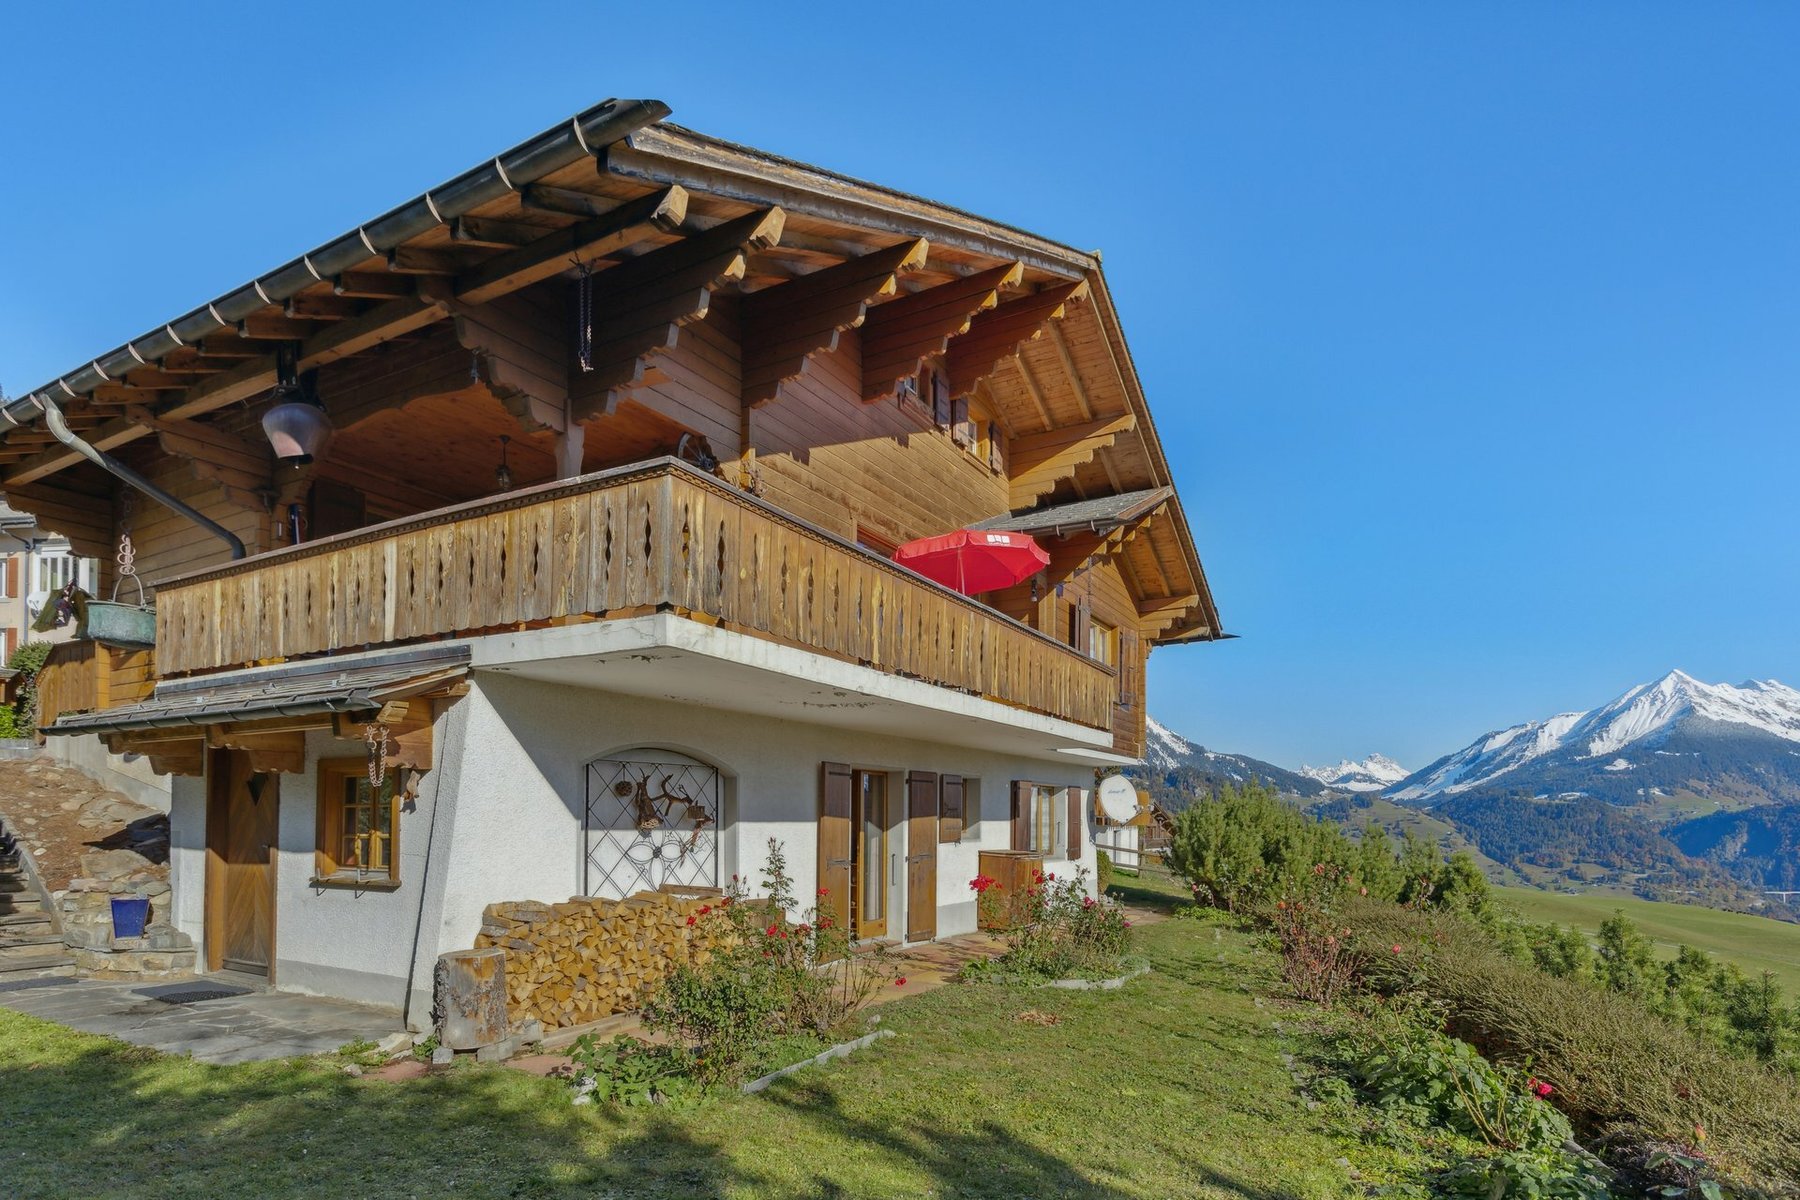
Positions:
(241, 812)
(921, 855)
(835, 790)
(869, 855)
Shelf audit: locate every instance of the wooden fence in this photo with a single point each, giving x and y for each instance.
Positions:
(657, 536)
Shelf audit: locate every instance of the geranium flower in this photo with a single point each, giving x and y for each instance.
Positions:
(771, 931)
(690, 920)
(1396, 947)
(900, 982)
(824, 891)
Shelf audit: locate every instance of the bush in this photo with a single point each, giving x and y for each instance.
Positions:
(770, 979)
(1103, 870)
(1618, 1069)
(1064, 933)
(1320, 955)
(628, 1071)
(19, 719)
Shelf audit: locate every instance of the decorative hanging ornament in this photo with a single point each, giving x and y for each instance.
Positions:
(503, 475)
(376, 736)
(584, 316)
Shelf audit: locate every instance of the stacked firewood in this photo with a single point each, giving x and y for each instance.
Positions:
(568, 964)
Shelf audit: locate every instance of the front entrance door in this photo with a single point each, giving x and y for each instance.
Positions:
(921, 855)
(870, 855)
(241, 810)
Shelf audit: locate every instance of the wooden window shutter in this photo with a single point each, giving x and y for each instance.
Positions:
(1075, 823)
(950, 808)
(10, 587)
(1081, 618)
(940, 399)
(835, 785)
(1021, 815)
(996, 461)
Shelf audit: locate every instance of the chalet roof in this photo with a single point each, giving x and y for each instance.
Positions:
(620, 171)
(1100, 514)
(288, 691)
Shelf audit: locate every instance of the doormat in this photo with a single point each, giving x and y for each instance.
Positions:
(20, 985)
(187, 993)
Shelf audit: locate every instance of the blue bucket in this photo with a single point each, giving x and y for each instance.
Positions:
(129, 916)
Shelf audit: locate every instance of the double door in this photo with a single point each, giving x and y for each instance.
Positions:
(864, 817)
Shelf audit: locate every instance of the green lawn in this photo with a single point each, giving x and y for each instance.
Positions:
(1756, 944)
(1173, 1086)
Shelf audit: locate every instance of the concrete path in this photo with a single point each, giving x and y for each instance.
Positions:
(246, 1027)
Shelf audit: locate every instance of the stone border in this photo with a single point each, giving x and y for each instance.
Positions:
(1105, 985)
(840, 1050)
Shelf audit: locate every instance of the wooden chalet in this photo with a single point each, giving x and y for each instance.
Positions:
(589, 591)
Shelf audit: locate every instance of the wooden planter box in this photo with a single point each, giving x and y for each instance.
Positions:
(1013, 869)
(90, 676)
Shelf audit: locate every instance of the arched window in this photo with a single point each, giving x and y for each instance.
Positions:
(652, 818)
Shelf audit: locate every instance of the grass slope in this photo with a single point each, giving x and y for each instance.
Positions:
(1173, 1086)
(1756, 944)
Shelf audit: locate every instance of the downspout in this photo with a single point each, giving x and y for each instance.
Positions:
(59, 429)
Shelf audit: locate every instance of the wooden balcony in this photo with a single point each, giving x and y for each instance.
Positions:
(657, 536)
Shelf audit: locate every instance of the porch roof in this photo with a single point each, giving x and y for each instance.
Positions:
(305, 689)
(1101, 514)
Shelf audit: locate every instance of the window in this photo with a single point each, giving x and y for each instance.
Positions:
(1103, 643)
(359, 825)
(950, 808)
(1037, 818)
(963, 426)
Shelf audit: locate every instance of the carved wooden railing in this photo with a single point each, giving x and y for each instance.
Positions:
(655, 536)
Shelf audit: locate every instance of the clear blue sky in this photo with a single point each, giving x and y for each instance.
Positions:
(1473, 331)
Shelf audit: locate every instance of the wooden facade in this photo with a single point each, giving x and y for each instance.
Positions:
(850, 366)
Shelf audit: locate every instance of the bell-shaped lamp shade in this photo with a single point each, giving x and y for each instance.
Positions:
(298, 430)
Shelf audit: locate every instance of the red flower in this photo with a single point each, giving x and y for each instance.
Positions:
(690, 920)
(1318, 868)
(1396, 947)
(824, 922)
(824, 891)
(1544, 1091)
(900, 982)
(803, 930)
(771, 931)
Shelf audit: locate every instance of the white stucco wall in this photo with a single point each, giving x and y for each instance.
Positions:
(500, 817)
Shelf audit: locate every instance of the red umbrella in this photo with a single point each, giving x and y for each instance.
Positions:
(974, 560)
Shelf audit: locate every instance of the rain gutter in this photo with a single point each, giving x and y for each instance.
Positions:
(59, 429)
(580, 137)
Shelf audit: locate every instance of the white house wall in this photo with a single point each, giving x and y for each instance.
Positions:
(500, 817)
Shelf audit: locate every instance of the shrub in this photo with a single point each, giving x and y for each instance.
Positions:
(628, 1071)
(1320, 954)
(1065, 933)
(1618, 1069)
(769, 979)
(19, 719)
(1103, 870)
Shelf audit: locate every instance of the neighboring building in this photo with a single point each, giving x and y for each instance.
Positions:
(34, 569)
(589, 591)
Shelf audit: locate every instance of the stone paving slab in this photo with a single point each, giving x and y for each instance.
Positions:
(248, 1028)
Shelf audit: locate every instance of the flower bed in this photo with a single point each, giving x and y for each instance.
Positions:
(1065, 934)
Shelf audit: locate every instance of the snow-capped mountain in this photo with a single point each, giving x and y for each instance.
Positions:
(1175, 769)
(1676, 733)
(1375, 773)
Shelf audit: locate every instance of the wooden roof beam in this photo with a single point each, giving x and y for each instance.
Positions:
(596, 237)
(642, 304)
(1068, 364)
(490, 231)
(320, 307)
(997, 335)
(783, 327)
(899, 335)
(368, 285)
(1051, 455)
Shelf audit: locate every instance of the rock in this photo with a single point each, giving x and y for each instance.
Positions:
(161, 936)
(531, 1030)
(499, 1052)
(443, 1056)
(110, 865)
(352, 1070)
(394, 1043)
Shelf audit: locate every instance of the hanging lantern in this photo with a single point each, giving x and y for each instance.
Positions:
(296, 425)
(503, 474)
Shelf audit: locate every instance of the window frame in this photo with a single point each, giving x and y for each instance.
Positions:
(328, 818)
(1106, 636)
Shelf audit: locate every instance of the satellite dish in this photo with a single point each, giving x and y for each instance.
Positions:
(1118, 798)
